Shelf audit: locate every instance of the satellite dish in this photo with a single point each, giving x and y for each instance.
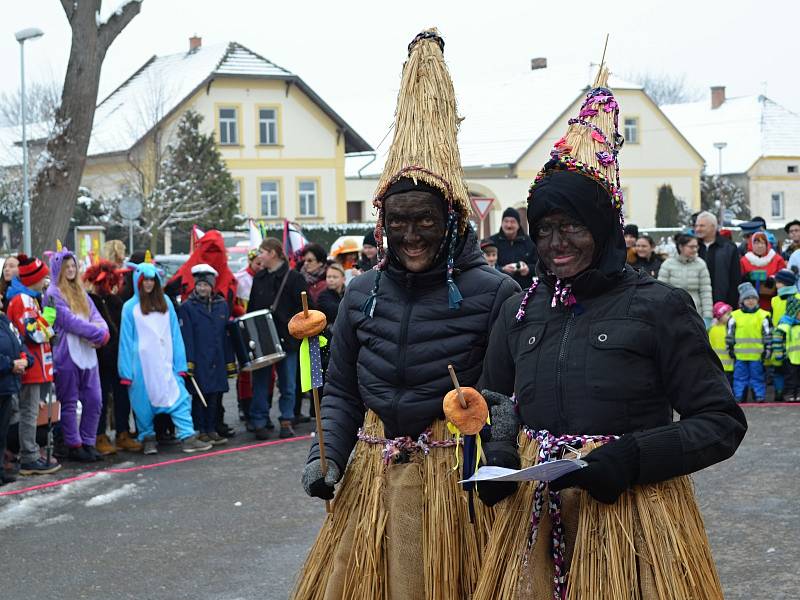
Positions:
(130, 208)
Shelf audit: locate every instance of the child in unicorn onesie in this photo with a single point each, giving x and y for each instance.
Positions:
(152, 361)
(80, 330)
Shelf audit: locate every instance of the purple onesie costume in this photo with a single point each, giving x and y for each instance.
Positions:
(75, 370)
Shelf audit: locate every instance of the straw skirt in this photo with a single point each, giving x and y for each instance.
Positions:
(400, 531)
(649, 545)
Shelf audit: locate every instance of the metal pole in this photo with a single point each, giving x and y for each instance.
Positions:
(26, 200)
(721, 196)
(130, 237)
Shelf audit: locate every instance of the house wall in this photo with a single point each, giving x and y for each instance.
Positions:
(770, 175)
(309, 148)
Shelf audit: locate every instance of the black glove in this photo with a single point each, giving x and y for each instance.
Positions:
(612, 468)
(491, 492)
(315, 484)
(503, 417)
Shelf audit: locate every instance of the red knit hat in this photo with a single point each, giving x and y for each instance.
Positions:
(31, 270)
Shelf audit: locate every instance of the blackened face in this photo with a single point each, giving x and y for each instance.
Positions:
(415, 227)
(566, 246)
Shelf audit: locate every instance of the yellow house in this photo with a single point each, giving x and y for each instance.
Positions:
(752, 141)
(511, 124)
(284, 146)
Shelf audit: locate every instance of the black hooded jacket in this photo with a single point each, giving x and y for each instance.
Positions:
(395, 363)
(628, 354)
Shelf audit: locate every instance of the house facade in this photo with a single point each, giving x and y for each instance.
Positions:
(510, 126)
(284, 146)
(754, 142)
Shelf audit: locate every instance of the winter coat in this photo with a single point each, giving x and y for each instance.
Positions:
(519, 249)
(110, 308)
(722, 260)
(651, 266)
(395, 362)
(760, 271)
(11, 349)
(690, 275)
(24, 311)
(209, 353)
(618, 362)
(265, 287)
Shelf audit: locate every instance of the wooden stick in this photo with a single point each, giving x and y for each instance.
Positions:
(199, 393)
(320, 435)
(602, 62)
(461, 398)
(304, 298)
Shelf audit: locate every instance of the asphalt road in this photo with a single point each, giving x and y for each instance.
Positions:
(236, 526)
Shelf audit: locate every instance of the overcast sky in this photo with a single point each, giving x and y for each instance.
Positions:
(351, 53)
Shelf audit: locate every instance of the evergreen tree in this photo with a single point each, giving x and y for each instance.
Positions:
(715, 190)
(671, 211)
(195, 186)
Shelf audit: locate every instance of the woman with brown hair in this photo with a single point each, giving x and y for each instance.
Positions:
(10, 270)
(80, 330)
(152, 362)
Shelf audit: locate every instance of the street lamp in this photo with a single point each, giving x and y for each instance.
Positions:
(720, 146)
(31, 33)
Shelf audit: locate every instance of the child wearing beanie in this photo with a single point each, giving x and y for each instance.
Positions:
(717, 334)
(35, 328)
(204, 319)
(749, 343)
(786, 285)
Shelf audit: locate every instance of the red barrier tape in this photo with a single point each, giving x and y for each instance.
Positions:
(117, 470)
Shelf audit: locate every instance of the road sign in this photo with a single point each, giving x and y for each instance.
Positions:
(130, 208)
(481, 206)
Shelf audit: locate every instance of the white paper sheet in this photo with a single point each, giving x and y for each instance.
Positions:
(547, 471)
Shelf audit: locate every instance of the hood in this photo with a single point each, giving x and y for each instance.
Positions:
(209, 250)
(146, 270)
(56, 263)
(16, 288)
(763, 236)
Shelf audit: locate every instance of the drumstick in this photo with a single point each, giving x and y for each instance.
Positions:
(323, 461)
(461, 398)
(199, 393)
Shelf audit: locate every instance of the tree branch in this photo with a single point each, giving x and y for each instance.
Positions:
(116, 23)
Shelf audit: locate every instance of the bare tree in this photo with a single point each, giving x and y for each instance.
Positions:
(57, 183)
(665, 88)
(42, 101)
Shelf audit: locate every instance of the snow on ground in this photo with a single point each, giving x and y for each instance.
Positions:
(126, 490)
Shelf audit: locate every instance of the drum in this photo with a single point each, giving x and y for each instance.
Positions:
(255, 341)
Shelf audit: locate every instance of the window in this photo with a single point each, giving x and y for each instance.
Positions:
(777, 205)
(228, 128)
(355, 211)
(269, 199)
(308, 198)
(631, 130)
(267, 126)
(237, 192)
(791, 169)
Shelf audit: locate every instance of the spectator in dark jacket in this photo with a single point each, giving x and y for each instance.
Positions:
(646, 258)
(369, 252)
(516, 254)
(330, 298)
(276, 280)
(13, 362)
(204, 320)
(722, 259)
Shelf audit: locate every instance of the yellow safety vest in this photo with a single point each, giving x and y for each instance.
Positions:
(716, 335)
(792, 341)
(748, 343)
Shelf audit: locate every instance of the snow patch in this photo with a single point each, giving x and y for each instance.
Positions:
(126, 490)
(65, 518)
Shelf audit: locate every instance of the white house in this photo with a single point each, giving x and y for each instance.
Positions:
(751, 140)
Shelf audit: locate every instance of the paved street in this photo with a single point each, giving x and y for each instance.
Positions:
(236, 526)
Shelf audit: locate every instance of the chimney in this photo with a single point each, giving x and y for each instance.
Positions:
(717, 96)
(195, 42)
(538, 63)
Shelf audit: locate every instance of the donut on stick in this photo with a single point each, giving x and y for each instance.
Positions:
(465, 407)
(310, 323)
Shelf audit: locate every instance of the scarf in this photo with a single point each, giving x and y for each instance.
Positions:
(760, 261)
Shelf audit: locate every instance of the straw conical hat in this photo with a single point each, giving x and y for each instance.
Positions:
(424, 146)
